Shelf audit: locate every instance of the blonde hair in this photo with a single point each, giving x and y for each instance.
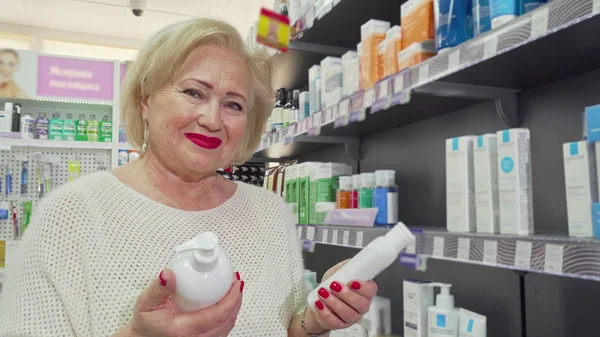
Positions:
(161, 57)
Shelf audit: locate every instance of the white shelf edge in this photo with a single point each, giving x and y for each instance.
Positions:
(6, 143)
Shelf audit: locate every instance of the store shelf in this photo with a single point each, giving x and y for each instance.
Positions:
(7, 143)
(546, 45)
(545, 254)
(126, 146)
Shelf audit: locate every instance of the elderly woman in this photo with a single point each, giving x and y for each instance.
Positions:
(92, 262)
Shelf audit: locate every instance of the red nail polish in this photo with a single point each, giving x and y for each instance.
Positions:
(319, 305)
(237, 275)
(335, 287)
(242, 287)
(163, 282)
(324, 293)
(355, 285)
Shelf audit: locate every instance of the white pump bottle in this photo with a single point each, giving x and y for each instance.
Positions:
(443, 317)
(203, 273)
(371, 260)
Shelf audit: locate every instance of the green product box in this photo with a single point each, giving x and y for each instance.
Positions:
(291, 189)
(304, 193)
(324, 181)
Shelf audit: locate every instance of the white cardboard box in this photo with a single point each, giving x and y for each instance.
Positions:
(418, 297)
(485, 155)
(581, 187)
(460, 185)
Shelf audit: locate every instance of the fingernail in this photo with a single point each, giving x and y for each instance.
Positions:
(319, 305)
(355, 285)
(335, 287)
(324, 293)
(163, 282)
(242, 287)
(237, 275)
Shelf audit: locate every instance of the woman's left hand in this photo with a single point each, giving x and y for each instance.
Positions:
(342, 305)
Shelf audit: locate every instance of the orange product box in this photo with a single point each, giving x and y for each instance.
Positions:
(371, 33)
(417, 19)
(381, 58)
(415, 54)
(393, 47)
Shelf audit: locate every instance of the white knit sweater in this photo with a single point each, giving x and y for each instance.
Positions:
(95, 243)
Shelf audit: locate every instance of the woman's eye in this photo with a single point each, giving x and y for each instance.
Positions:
(235, 106)
(193, 93)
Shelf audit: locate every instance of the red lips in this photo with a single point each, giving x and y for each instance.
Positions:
(204, 141)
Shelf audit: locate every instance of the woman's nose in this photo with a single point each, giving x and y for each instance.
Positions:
(210, 117)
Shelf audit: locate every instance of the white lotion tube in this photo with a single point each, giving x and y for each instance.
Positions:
(471, 324)
(371, 260)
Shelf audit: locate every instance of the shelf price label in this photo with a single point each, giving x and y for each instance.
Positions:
(277, 137)
(595, 7)
(310, 233)
(346, 238)
(368, 98)
(330, 115)
(359, 239)
(453, 60)
(438, 246)
(490, 252)
(325, 235)
(539, 22)
(553, 259)
(464, 249)
(291, 133)
(383, 97)
(299, 232)
(343, 113)
(357, 110)
(334, 236)
(314, 128)
(424, 73)
(490, 47)
(523, 255)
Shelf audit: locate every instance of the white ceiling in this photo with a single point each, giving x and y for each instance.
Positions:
(112, 17)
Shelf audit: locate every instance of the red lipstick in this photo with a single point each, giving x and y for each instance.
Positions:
(204, 141)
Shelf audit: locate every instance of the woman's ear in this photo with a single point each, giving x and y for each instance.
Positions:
(144, 104)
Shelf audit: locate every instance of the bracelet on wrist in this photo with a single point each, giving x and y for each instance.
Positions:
(308, 333)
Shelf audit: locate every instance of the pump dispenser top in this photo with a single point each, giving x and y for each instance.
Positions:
(443, 317)
(443, 300)
(203, 272)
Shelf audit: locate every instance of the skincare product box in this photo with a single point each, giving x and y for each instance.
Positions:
(331, 81)
(453, 22)
(314, 75)
(350, 73)
(361, 76)
(417, 22)
(304, 192)
(485, 157)
(514, 182)
(381, 57)
(415, 54)
(371, 33)
(379, 317)
(418, 297)
(323, 184)
(591, 123)
(393, 47)
(581, 188)
(460, 185)
(303, 105)
(291, 188)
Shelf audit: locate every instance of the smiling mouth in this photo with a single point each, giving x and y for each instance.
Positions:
(203, 141)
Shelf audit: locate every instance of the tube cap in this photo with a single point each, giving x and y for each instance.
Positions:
(356, 181)
(367, 180)
(205, 246)
(345, 183)
(399, 237)
(385, 177)
(443, 300)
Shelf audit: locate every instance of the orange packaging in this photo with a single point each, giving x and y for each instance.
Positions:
(415, 54)
(393, 47)
(381, 49)
(372, 33)
(417, 21)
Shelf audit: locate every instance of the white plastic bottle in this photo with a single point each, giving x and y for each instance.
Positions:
(8, 112)
(27, 126)
(203, 273)
(443, 317)
(371, 260)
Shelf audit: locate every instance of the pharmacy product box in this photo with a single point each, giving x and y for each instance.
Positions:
(392, 48)
(417, 20)
(591, 122)
(314, 76)
(371, 33)
(291, 189)
(331, 81)
(514, 182)
(304, 192)
(581, 188)
(460, 185)
(415, 54)
(361, 76)
(350, 73)
(487, 211)
(378, 319)
(304, 105)
(324, 178)
(418, 297)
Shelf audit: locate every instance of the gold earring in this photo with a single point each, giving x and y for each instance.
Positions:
(145, 140)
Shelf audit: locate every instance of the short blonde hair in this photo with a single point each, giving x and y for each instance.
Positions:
(160, 58)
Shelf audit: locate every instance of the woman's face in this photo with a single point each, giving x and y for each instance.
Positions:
(197, 123)
(9, 64)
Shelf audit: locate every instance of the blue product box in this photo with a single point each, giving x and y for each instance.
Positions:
(591, 124)
(596, 219)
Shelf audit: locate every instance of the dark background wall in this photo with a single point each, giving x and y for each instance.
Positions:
(554, 114)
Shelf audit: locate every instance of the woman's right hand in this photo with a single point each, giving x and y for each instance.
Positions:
(156, 315)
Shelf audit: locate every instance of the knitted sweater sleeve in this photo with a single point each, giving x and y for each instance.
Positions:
(45, 293)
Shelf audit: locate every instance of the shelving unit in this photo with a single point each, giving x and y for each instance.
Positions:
(520, 55)
(8, 143)
(554, 255)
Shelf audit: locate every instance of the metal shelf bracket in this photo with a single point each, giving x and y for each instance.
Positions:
(505, 100)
